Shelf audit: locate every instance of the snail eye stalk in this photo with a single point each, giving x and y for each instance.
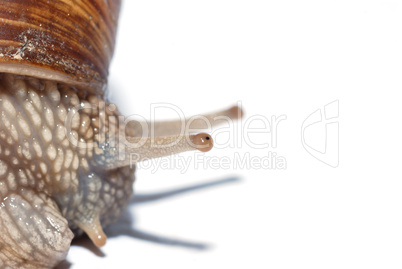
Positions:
(137, 149)
(176, 127)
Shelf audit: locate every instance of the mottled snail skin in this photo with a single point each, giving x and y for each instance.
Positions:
(65, 157)
(48, 185)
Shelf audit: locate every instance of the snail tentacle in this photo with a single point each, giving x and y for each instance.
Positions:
(167, 145)
(136, 149)
(93, 229)
(176, 127)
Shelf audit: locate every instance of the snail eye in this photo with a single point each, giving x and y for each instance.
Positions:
(203, 142)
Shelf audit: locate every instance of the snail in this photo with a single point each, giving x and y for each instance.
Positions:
(65, 151)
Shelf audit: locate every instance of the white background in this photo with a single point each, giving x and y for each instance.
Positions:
(277, 58)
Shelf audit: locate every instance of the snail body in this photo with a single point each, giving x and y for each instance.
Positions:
(50, 188)
(65, 166)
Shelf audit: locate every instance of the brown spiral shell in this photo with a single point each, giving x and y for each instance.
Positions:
(69, 41)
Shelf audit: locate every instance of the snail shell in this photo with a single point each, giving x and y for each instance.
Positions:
(65, 158)
(67, 41)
